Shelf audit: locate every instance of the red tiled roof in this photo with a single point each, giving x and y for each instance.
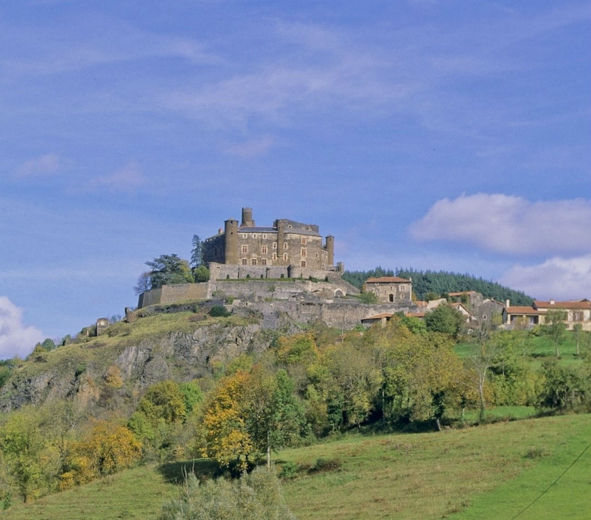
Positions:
(522, 310)
(562, 305)
(387, 279)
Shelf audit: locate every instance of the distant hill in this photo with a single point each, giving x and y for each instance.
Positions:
(441, 282)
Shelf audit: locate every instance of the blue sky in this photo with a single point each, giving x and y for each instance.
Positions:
(448, 135)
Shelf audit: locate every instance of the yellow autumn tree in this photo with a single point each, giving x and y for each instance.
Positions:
(226, 437)
(108, 448)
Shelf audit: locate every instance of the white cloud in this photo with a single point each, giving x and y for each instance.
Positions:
(558, 278)
(509, 224)
(44, 165)
(251, 148)
(127, 179)
(15, 337)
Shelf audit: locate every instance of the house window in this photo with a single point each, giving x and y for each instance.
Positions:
(244, 261)
(285, 245)
(263, 261)
(303, 263)
(303, 241)
(578, 316)
(274, 256)
(304, 252)
(284, 256)
(264, 250)
(253, 261)
(403, 288)
(391, 297)
(244, 249)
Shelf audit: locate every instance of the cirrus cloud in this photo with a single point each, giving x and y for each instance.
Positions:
(508, 224)
(44, 165)
(15, 337)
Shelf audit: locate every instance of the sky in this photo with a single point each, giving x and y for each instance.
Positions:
(444, 135)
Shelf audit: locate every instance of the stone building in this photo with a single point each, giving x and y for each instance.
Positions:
(390, 289)
(286, 243)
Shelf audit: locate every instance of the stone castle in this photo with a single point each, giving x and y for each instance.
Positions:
(288, 249)
(287, 269)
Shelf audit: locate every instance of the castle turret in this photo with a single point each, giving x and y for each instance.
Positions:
(247, 217)
(231, 242)
(280, 225)
(330, 250)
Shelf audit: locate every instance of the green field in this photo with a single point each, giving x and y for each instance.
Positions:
(489, 472)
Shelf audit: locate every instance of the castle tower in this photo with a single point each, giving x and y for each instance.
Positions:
(330, 250)
(231, 242)
(247, 217)
(280, 225)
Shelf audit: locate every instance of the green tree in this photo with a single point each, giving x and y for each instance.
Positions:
(445, 319)
(564, 388)
(165, 401)
(554, 327)
(201, 274)
(196, 253)
(167, 270)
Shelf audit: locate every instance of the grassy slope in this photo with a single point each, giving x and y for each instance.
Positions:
(491, 472)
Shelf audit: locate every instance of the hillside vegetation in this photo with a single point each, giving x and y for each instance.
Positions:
(442, 282)
(491, 472)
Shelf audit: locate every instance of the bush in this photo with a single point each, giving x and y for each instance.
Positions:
(219, 311)
(255, 496)
(368, 297)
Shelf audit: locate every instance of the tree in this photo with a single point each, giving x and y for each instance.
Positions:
(167, 270)
(445, 319)
(255, 496)
(196, 252)
(564, 387)
(554, 327)
(226, 437)
(201, 274)
(165, 401)
(144, 284)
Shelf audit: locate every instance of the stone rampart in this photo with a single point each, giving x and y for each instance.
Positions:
(175, 293)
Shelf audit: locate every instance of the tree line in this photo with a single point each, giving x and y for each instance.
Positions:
(440, 283)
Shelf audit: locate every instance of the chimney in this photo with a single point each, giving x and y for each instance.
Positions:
(552, 302)
(507, 303)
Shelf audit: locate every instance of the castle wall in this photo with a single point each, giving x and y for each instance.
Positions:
(175, 293)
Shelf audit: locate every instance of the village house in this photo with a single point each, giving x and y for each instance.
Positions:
(390, 289)
(578, 311)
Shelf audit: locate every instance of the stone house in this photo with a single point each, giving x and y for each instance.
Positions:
(390, 289)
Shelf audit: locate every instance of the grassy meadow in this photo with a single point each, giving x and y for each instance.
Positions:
(490, 472)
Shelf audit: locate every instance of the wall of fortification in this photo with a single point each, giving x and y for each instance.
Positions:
(175, 293)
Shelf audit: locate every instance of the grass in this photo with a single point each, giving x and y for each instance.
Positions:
(491, 472)
(436, 475)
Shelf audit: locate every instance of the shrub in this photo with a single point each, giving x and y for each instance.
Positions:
(255, 496)
(289, 470)
(368, 297)
(218, 311)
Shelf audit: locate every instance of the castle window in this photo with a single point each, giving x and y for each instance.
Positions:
(274, 245)
(303, 241)
(303, 263)
(254, 235)
(264, 237)
(244, 261)
(253, 261)
(263, 261)
(264, 250)
(244, 249)
(284, 256)
(244, 235)
(285, 245)
(274, 256)
(304, 252)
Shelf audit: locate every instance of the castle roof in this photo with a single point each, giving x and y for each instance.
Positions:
(387, 279)
(257, 229)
